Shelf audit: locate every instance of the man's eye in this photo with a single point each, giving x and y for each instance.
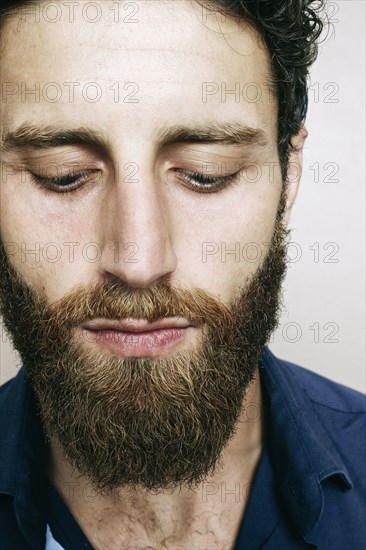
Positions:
(207, 184)
(200, 182)
(62, 184)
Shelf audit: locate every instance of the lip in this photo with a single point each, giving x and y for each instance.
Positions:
(136, 325)
(138, 337)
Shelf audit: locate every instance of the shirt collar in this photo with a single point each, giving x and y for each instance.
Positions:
(302, 452)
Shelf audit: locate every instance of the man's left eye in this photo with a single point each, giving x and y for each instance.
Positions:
(206, 184)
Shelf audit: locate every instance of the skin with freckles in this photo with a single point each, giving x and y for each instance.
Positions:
(138, 237)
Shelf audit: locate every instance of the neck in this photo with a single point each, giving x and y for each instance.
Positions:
(227, 487)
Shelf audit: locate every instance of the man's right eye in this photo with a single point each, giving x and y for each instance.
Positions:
(62, 184)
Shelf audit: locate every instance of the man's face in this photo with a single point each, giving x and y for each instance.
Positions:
(136, 229)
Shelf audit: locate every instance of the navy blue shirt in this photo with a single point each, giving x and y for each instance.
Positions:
(309, 489)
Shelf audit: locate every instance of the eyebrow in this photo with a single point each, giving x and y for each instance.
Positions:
(226, 133)
(27, 136)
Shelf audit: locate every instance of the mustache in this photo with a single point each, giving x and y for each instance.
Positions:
(114, 301)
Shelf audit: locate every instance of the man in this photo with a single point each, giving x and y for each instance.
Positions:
(149, 412)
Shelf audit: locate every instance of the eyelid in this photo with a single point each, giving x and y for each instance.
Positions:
(63, 155)
(52, 184)
(227, 166)
(61, 168)
(210, 184)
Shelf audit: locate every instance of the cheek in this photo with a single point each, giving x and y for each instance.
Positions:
(34, 243)
(23, 211)
(19, 233)
(228, 248)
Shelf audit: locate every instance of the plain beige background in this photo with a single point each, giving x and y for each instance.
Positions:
(323, 325)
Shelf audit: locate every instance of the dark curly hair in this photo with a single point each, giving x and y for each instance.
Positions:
(290, 30)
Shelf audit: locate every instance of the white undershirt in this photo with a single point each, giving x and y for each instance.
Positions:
(51, 543)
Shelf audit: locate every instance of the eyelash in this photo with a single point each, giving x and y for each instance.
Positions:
(199, 182)
(55, 184)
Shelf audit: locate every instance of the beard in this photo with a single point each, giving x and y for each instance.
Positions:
(151, 423)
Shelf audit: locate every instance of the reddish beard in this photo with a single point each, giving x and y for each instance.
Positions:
(154, 423)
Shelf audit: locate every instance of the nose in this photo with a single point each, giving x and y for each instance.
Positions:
(138, 232)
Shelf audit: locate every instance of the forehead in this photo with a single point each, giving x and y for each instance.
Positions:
(166, 54)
